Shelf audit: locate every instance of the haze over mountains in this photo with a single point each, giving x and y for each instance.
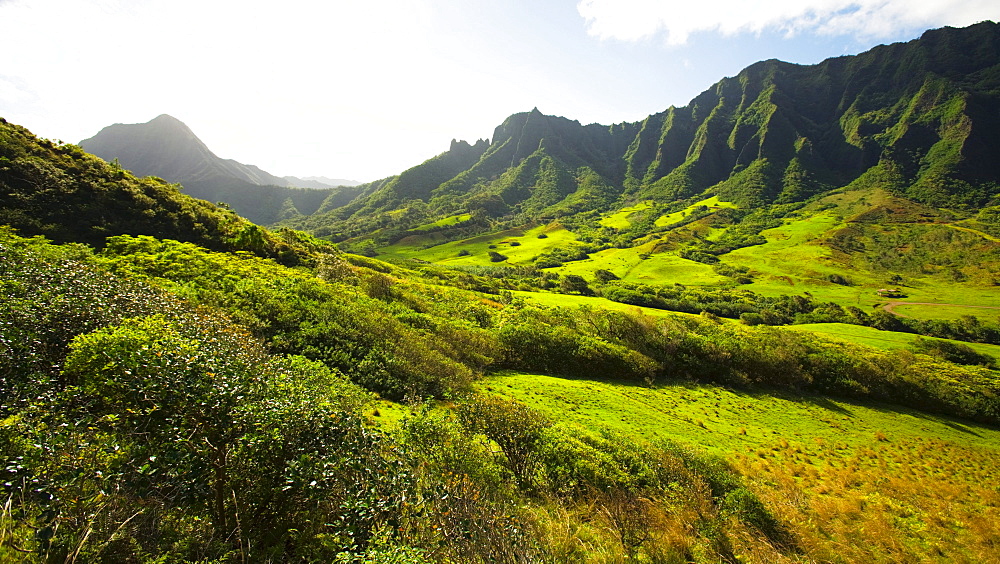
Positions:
(167, 148)
(919, 118)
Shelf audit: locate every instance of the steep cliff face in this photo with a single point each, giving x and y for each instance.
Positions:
(918, 118)
(921, 110)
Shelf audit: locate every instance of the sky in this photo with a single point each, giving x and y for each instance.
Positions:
(364, 89)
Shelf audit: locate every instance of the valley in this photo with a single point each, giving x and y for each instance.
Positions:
(760, 327)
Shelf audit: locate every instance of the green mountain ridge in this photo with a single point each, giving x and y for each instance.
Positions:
(915, 118)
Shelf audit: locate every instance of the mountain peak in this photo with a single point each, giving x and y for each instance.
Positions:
(167, 120)
(166, 147)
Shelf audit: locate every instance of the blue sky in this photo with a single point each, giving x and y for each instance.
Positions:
(365, 89)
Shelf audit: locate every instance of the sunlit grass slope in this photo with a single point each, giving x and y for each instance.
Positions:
(635, 264)
(853, 482)
(527, 245)
(671, 218)
(881, 339)
(443, 222)
(573, 300)
(726, 421)
(619, 219)
(953, 311)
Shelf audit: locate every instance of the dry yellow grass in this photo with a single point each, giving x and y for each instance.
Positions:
(903, 501)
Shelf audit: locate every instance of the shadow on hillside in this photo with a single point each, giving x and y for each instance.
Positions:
(827, 403)
(946, 420)
(818, 401)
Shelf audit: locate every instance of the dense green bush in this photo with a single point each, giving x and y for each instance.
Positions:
(354, 323)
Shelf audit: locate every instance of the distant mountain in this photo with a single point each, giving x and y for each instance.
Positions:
(919, 119)
(167, 148)
(320, 182)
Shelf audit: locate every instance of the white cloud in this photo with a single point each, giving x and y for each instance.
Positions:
(634, 20)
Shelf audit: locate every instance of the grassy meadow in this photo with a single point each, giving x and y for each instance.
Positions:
(853, 481)
(887, 340)
(453, 253)
(672, 218)
(635, 264)
(571, 300)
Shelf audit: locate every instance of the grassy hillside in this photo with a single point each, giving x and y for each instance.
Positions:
(165, 401)
(783, 195)
(854, 481)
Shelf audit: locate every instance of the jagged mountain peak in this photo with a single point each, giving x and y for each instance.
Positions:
(917, 118)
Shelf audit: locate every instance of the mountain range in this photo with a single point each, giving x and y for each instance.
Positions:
(918, 118)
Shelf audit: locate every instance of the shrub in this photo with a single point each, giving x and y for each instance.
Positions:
(952, 352)
(604, 276)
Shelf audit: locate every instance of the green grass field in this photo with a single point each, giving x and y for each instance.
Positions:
(728, 422)
(851, 481)
(636, 265)
(872, 337)
(443, 222)
(796, 258)
(529, 246)
(671, 218)
(619, 219)
(568, 300)
(948, 312)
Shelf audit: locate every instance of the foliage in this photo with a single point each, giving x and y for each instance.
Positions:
(63, 193)
(187, 416)
(352, 323)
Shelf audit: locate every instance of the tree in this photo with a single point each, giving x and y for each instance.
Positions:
(604, 276)
(575, 284)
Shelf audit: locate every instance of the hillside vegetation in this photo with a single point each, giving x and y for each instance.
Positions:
(572, 351)
(163, 399)
(59, 191)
